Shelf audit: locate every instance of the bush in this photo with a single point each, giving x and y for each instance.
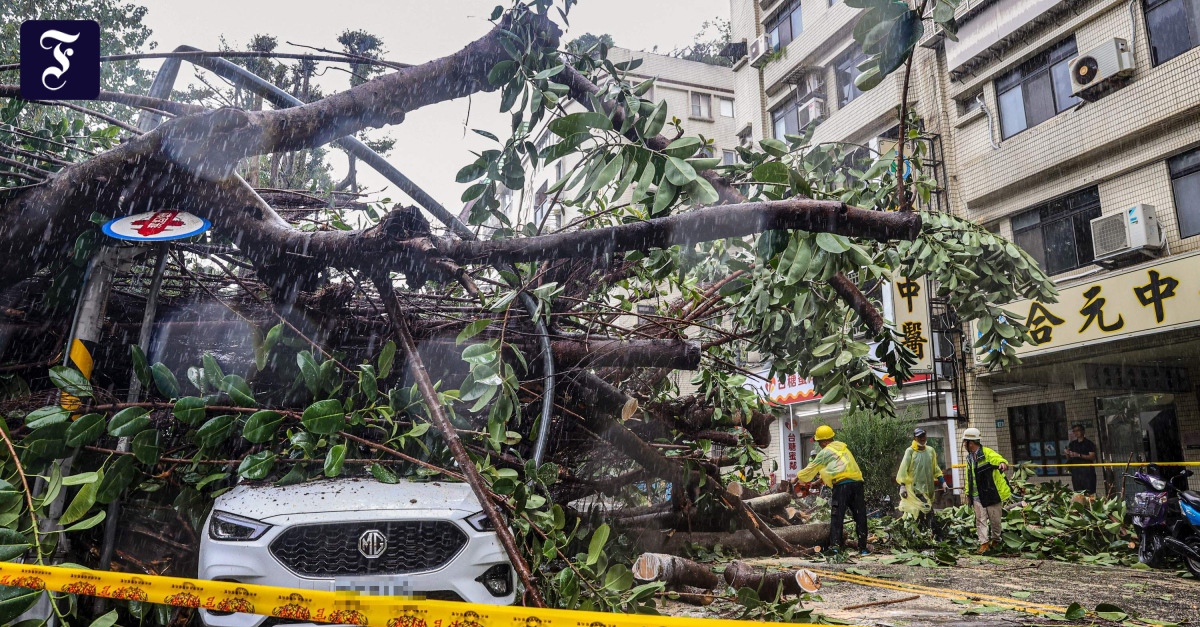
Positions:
(878, 444)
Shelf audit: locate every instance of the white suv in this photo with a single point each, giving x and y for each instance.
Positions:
(408, 538)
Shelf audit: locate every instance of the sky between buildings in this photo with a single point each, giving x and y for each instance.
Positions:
(434, 142)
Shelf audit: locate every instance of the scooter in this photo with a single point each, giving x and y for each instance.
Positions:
(1167, 517)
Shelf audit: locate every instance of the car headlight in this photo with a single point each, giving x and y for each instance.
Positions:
(1157, 484)
(480, 522)
(228, 527)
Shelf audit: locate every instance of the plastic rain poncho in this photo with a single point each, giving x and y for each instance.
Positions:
(918, 474)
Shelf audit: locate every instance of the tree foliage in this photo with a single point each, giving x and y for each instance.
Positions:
(773, 255)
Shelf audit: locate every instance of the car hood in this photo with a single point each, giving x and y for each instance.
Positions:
(261, 502)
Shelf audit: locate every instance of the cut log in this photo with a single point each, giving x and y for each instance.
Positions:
(744, 542)
(769, 503)
(674, 571)
(794, 582)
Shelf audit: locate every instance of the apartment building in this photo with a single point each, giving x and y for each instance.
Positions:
(699, 94)
(795, 66)
(1100, 184)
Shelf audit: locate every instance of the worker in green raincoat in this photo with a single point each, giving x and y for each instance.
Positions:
(919, 476)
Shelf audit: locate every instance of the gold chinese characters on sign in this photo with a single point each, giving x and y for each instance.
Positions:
(910, 302)
(1145, 299)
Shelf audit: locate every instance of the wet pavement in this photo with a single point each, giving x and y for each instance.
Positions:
(1160, 595)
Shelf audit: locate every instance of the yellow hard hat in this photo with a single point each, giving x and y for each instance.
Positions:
(824, 432)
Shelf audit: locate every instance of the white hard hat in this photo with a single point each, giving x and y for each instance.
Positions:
(971, 433)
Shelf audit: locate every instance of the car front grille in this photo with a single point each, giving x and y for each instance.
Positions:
(333, 549)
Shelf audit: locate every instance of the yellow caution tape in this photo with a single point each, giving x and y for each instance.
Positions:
(319, 606)
(1098, 465)
(82, 358)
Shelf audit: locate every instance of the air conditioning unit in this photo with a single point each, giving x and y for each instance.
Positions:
(1104, 67)
(1129, 232)
(811, 110)
(759, 49)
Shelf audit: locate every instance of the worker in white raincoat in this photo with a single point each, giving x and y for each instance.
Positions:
(919, 476)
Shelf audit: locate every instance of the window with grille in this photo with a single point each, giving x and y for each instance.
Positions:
(1173, 26)
(1039, 435)
(1185, 183)
(1037, 90)
(1058, 233)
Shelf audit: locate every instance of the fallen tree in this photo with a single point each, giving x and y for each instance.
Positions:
(542, 381)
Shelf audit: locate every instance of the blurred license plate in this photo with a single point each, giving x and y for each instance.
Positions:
(388, 587)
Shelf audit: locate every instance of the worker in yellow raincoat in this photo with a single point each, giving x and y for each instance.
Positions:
(835, 463)
(919, 476)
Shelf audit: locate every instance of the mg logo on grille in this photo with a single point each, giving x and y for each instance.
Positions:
(372, 543)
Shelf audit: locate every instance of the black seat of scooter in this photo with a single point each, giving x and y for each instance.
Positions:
(1190, 497)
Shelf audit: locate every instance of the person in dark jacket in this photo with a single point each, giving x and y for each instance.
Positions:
(1082, 451)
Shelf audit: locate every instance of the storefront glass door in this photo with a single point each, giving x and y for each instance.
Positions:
(1138, 427)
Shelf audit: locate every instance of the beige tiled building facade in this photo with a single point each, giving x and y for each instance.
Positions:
(1023, 155)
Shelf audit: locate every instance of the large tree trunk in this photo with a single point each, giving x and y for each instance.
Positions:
(674, 571)
(744, 542)
(789, 582)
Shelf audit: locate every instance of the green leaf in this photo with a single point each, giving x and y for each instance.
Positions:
(387, 357)
(1075, 612)
(16, 601)
(96, 519)
(334, 460)
(46, 416)
(70, 381)
(658, 118)
(832, 243)
(145, 447)
(599, 539)
(574, 123)
(141, 367)
(679, 172)
(262, 425)
(898, 46)
(550, 72)
(166, 382)
(771, 172)
(869, 79)
(702, 192)
(472, 330)
(189, 410)
(85, 430)
(383, 475)
(12, 545)
(774, 147)
(238, 390)
(273, 337)
(257, 466)
(83, 501)
(129, 422)
(664, 196)
(367, 383)
(324, 417)
(82, 478)
(119, 476)
(108, 620)
(212, 433)
(608, 173)
(212, 371)
(1108, 611)
(684, 147)
(310, 370)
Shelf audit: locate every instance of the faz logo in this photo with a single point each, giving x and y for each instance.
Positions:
(60, 60)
